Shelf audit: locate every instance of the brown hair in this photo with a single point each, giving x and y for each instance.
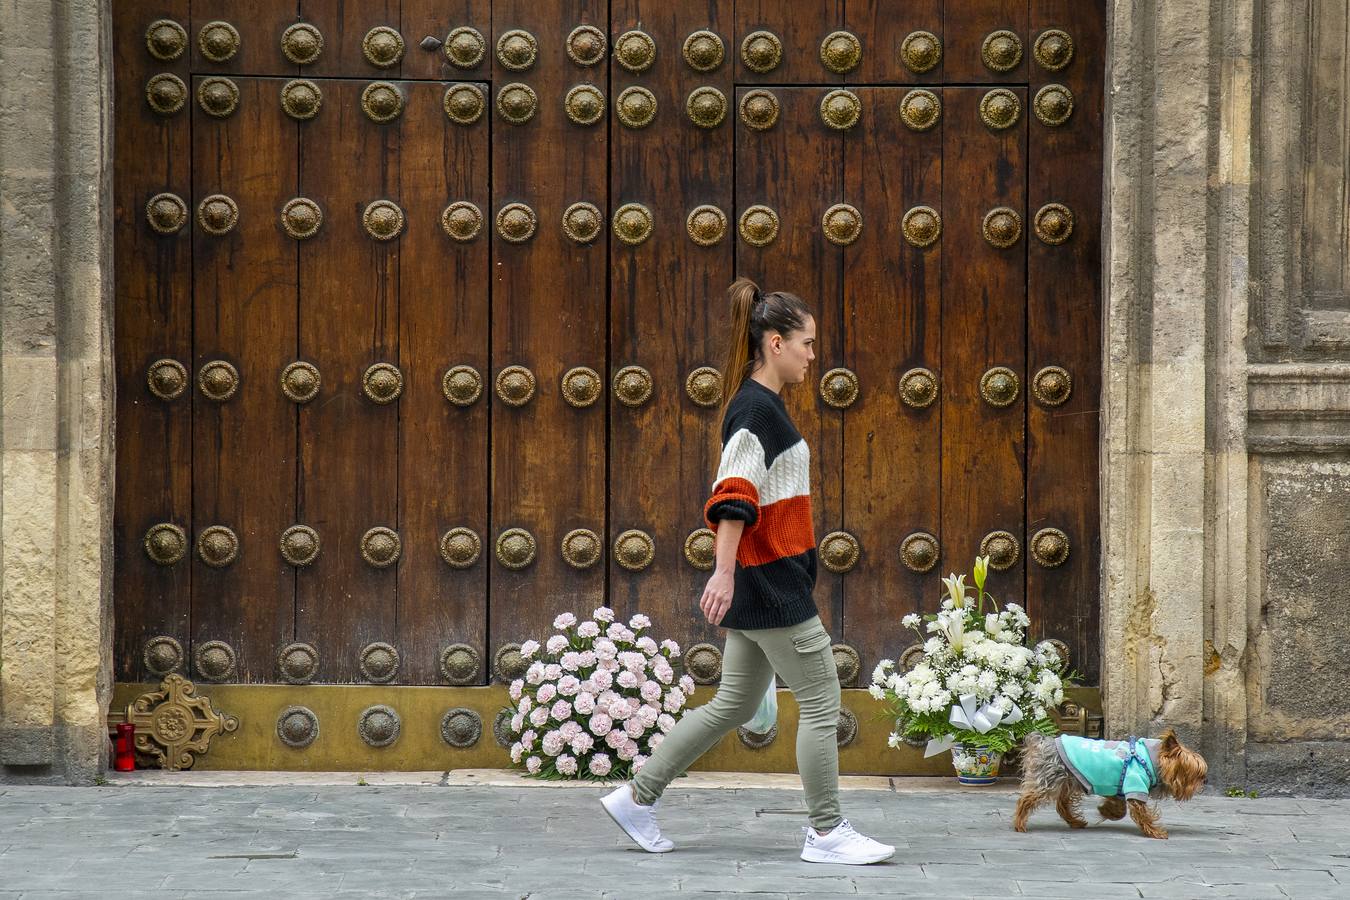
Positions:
(753, 314)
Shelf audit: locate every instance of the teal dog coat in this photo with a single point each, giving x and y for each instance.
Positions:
(1111, 768)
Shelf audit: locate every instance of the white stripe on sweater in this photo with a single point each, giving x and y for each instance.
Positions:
(789, 476)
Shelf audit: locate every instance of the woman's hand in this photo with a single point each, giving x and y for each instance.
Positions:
(717, 596)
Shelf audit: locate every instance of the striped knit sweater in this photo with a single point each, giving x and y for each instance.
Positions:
(764, 480)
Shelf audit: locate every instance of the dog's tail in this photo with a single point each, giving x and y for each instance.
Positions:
(1038, 751)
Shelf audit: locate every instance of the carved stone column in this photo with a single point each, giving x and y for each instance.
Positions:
(1158, 233)
(56, 387)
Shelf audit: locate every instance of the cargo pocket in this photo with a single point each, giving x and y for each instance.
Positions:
(814, 647)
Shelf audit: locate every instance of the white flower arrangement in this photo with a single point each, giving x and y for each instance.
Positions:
(597, 699)
(978, 683)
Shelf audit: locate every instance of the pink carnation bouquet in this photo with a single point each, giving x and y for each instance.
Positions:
(598, 697)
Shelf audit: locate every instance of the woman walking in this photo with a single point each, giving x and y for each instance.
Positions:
(761, 586)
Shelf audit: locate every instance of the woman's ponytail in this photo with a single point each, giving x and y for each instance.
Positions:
(743, 295)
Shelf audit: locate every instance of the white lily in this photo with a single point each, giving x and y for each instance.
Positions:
(954, 629)
(956, 589)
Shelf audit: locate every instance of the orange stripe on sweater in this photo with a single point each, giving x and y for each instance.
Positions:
(784, 529)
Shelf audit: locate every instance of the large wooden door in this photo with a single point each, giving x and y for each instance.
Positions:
(420, 309)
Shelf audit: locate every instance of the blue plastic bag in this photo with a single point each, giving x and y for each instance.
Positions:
(766, 716)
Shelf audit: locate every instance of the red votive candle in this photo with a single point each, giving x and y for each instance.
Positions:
(125, 760)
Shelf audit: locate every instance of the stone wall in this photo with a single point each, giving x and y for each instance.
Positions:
(1226, 463)
(56, 403)
(1225, 408)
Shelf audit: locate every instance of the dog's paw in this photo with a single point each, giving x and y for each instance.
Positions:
(1112, 808)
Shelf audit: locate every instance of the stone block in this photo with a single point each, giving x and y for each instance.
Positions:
(1304, 768)
(27, 586)
(27, 98)
(30, 21)
(28, 409)
(1302, 671)
(27, 745)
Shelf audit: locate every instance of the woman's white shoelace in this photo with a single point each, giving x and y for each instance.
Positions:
(845, 830)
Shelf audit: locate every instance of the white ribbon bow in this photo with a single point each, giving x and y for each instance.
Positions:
(968, 714)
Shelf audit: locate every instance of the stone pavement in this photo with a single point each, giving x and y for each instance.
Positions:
(485, 833)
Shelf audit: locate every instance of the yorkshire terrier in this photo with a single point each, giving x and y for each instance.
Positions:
(1126, 774)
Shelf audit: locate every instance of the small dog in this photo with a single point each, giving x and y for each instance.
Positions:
(1125, 773)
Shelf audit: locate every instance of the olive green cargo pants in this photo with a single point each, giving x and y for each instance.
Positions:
(801, 654)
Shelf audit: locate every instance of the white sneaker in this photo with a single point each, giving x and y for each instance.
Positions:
(637, 821)
(843, 845)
